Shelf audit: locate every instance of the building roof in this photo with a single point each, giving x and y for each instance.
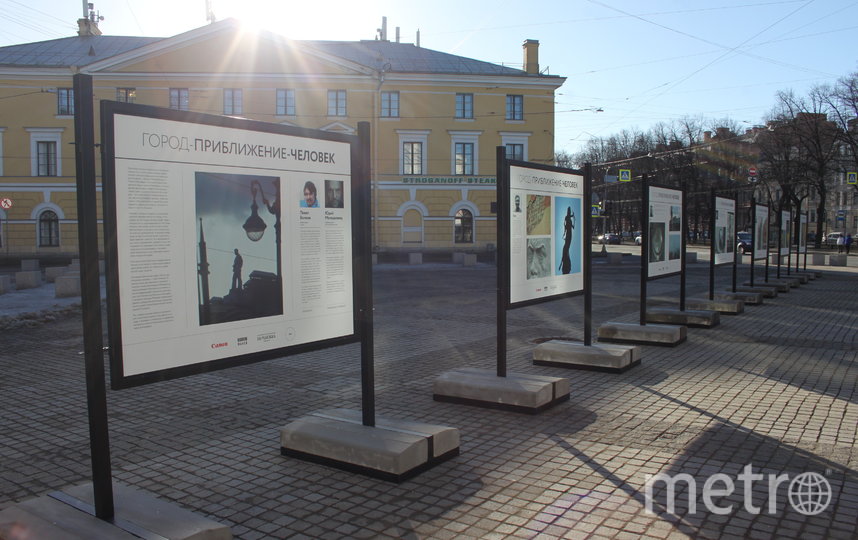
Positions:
(376, 55)
(70, 51)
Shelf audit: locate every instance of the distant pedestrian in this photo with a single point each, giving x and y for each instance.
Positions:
(848, 243)
(840, 243)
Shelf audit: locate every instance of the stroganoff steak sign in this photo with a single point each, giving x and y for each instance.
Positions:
(546, 242)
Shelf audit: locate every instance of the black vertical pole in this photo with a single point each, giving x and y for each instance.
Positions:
(361, 203)
(713, 210)
(588, 256)
(753, 236)
(780, 239)
(644, 245)
(503, 256)
(87, 210)
(789, 245)
(766, 237)
(805, 246)
(734, 239)
(682, 259)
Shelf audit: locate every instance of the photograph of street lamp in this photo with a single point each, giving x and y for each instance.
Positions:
(238, 252)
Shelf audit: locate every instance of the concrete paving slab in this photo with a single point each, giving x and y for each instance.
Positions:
(695, 318)
(596, 357)
(650, 334)
(518, 392)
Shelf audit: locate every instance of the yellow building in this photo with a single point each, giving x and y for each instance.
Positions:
(435, 118)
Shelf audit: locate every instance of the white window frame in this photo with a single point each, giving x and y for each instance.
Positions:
(418, 136)
(45, 135)
(472, 137)
(475, 213)
(69, 102)
(465, 100)
(336, 95)
(392, 112)
(181, 104)
(512, 97)
(516, 137)
(233, 99)
(130, 94)
(285, 95)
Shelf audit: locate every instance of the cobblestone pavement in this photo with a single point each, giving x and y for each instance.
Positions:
(774, 388)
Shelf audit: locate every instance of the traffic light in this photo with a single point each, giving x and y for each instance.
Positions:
(606, 208)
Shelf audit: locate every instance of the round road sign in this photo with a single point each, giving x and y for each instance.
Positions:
(752, 171)
(6, 204)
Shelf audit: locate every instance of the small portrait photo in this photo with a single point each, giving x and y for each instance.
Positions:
(675, 248)
(309, 197)
(517, 201)
(656, 242)
(675, 218)
(538, 258)
(333, 193)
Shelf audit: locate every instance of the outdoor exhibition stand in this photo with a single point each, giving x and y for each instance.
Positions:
(759, 251)
(540, 209)
(722, 251)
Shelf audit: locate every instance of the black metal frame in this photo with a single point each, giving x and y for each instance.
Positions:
(360, 244)
(712, 224)
(645, 233)
(504, 217)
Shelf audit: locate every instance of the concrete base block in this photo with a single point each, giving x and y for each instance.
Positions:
(689, 317)
(726, 306)
(28, 265)
(802, 278)
(748, 298)
(517, 392)
(809, 276)
(53, 272)
(817, 259)
(766, 291)
(415, 258)
(596, 357)
(650, 334)
(5, 284)
(69, 514)
(393, 450)
(615, 258)
(690, 257)
(458, 257)
(469, 259)
(790, 282)
(67, 286)
(28, 280)
(837, 260)
(771, 284)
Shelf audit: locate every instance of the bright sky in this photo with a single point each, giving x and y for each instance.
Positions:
(641, 61)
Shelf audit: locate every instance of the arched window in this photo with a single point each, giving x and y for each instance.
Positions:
(49, 229)
(464, 225)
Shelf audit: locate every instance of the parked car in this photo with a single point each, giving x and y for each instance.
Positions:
(743, 242)
(610, 238)
(831, 239)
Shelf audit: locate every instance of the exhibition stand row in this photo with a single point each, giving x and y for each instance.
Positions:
(230, 241)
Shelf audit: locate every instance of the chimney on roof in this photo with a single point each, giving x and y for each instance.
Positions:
(397, 34)
(382, 32)
(707, 136)
(531, 56)
(88, 24)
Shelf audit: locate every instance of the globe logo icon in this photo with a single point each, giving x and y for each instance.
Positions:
(809, 493)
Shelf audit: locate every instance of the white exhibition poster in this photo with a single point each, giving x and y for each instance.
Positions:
(664, 232)
(229, 241)
(761, 232)
(802, 239)
(724, 236)
(546, 244)
(786, 228)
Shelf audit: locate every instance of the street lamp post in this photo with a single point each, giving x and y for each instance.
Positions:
(255, 226)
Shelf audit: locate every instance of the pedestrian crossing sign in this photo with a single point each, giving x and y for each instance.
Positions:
(625, 175)
(852, 178)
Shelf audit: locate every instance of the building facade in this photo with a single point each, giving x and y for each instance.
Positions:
(435, 119)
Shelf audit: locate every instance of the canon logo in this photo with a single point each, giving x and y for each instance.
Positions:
(219, 345)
